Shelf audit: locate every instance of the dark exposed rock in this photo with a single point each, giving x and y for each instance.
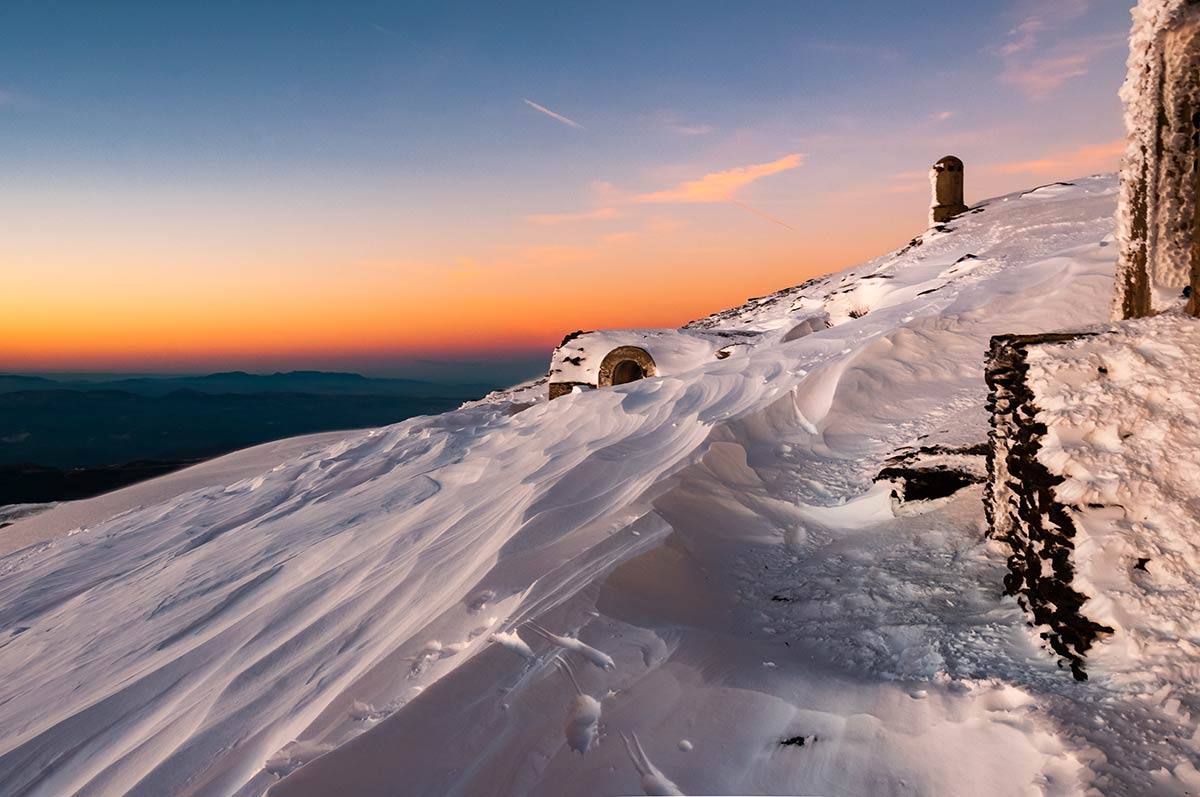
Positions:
(1022, 510)
(933, 472)
(797, 741)
(571, 336)
(927, 485)
(564, 388)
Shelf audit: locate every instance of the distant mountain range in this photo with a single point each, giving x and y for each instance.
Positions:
(315, 382)
(71, 438)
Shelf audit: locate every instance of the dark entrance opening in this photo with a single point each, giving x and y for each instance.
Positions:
(627, 371)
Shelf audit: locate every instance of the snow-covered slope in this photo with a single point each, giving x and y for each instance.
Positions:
(42, 523)
(705, 553)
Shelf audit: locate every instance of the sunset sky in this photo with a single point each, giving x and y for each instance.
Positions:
(203, 186)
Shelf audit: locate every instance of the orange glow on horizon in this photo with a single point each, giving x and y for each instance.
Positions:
(232, 295)
(375, 310)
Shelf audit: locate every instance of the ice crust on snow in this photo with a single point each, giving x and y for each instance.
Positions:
(347, 621)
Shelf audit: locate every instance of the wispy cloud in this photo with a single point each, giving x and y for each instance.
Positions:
(1023, 37)
(691, 130)
(1071, 163)
(943, 116)
(599, 214)
(1039, 70)
(1039, 17)
(558, 117)
(721, 186)
(669, 121)
(1041, 76)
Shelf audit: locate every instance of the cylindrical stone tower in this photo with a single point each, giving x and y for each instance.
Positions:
(946, 178)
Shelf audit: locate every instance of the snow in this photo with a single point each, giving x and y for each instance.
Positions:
(1122, 425)
(11, 513)
(71, 517)
(364, 618)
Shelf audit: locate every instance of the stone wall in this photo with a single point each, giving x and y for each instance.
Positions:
(1021, 508)
(1094, 491)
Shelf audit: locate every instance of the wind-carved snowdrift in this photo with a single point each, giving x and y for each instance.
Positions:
(645, 588)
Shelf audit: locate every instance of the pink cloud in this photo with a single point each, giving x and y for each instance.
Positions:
(721, 186)
(1038, 71)
(1038, 78)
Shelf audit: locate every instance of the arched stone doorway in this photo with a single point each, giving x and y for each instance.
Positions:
(625, 364)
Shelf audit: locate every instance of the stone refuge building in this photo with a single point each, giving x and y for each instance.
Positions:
(587, 360)
(1094, 456)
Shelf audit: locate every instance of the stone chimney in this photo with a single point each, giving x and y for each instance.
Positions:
(946, 179)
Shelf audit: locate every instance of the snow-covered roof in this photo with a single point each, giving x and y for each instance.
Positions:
(578, 358)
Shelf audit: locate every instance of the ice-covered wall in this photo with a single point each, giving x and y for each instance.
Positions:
(1094, 485)
(1155, 217)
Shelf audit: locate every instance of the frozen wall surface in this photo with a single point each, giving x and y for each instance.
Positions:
(1156, 212)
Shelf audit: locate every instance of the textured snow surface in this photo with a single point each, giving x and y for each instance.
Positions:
(1122, 417)
(55, 520)
(532, 597)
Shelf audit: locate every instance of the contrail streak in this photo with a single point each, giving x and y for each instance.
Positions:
(762, 214)
(557, 116)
